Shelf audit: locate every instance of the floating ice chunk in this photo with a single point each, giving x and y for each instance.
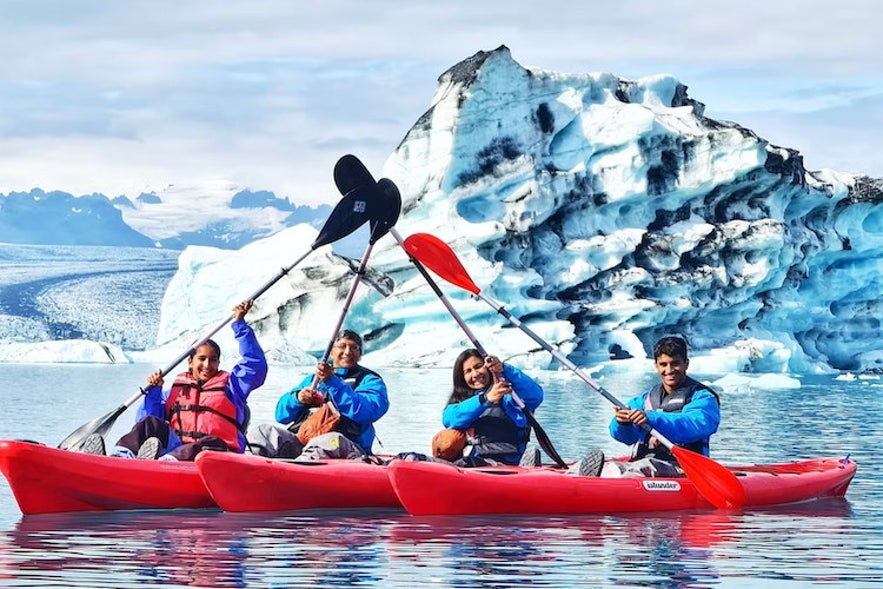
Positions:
(63, 352)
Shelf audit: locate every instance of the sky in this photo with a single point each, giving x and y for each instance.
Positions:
(152, 95)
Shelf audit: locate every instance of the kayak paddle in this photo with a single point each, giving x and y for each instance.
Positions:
(351, 212)
(542, 437)
(712, 480)
(389, 206)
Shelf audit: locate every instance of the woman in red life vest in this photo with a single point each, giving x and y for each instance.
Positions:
(205, 408)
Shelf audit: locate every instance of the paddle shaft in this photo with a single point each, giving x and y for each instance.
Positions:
(346, 307)
(284, 271)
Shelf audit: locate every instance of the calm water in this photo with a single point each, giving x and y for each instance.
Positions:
(833, 543)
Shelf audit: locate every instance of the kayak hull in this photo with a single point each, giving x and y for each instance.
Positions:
(427, 488)
(44, 479)
(243, 482)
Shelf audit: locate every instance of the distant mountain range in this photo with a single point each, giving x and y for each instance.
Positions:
(170, 220)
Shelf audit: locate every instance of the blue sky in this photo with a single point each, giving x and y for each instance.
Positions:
(125, 97)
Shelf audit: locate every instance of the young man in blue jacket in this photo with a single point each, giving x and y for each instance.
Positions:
(680, 408)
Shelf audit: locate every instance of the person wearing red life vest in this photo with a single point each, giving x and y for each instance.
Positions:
(204, 409)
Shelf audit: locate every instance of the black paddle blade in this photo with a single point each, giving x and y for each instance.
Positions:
(350, 213)
(101, 426)
(350, 173)
(389, 208)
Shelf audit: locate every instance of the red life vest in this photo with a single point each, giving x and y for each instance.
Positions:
(194, 411)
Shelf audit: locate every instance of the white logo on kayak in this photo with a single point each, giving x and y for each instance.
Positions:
(359, 206)
(662, 485)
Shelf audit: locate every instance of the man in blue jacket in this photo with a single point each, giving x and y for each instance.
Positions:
(356, 395)
(680, 408)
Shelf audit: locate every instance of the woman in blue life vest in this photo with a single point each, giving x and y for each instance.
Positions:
(204, 409)
(680, 408)
(481, 405)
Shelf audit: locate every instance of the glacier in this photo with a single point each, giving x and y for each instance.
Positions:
(604, 212)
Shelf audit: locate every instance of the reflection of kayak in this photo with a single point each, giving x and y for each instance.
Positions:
(243, 482)
(427, 488)
(49, 480)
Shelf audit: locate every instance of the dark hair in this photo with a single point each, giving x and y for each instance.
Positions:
(208, 342)
(462, 391)
(350, 335)
(674, 346)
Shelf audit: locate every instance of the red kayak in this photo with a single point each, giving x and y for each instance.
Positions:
(244, 482)
(49, 480)
(427, 488)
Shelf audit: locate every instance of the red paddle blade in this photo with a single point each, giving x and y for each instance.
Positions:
(714, 481)
(436, 255)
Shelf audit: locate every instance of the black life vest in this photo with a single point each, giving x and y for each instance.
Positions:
(495, 436)
(674, 402)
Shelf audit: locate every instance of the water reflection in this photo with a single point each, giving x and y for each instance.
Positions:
(388, 548)
(671, 550)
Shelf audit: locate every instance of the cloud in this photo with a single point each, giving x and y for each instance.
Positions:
(129, 97)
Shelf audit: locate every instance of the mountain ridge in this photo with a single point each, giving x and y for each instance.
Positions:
(37, 217)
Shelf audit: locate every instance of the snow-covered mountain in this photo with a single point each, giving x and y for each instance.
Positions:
(604, 212)
(174, 218)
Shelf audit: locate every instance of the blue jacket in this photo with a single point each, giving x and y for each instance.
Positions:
(365, 404)
(463, 415)
(696, 421)
(248, 374)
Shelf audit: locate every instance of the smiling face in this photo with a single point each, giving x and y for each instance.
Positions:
(672, 370)
(205, 362)
(475, 374)
(346, 353)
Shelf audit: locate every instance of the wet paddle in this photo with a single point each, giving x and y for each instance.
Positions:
(542, 437)
(351, 212)
(713, 481)
(387, 194)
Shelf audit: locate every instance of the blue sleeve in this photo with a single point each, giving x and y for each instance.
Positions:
(462, 415)
(525, 387)
(628, 433)
(251, 370)
(288, 408)
(698, 420)
(153, 404)
(364, 405)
